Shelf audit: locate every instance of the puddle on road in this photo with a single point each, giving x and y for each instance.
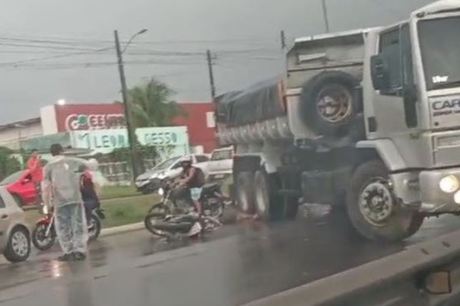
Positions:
(314, 211)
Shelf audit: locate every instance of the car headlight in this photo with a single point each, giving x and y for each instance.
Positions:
(161, 191)
(449, 184)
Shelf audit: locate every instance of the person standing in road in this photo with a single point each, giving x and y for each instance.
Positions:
(61, 189)
(36, 172)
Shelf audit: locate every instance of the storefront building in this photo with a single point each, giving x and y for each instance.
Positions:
(101, 128)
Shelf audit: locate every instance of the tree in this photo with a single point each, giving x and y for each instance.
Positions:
(152, 104)
(8, 163)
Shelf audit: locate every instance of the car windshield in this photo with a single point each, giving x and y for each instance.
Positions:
(11, 178)
(221, 154)
(440, 48)
(165, 164)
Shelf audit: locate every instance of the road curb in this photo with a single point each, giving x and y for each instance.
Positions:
(122, 229)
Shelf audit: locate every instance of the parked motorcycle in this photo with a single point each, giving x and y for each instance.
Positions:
(175, 210)
(44, 233)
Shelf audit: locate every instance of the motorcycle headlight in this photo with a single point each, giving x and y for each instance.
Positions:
(449, 184)
(161, 191)
(45, 209)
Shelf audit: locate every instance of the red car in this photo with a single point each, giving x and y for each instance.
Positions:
(20, 186)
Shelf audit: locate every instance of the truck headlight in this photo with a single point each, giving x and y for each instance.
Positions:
(457, 197)
(449, 184)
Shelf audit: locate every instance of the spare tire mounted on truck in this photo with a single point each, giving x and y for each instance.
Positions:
(328, 103)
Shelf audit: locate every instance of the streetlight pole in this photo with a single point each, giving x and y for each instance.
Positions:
(325, 16)
(124, 93)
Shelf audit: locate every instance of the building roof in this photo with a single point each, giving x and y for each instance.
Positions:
(21, 123)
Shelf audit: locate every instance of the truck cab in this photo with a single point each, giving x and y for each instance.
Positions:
(412, 105)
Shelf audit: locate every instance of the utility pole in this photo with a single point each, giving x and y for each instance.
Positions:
(325, 16)
(124, 93)
(283, 40)
(211, 74)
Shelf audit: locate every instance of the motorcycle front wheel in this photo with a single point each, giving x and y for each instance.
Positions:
(215, 210)
(150, 221)
(39, 238)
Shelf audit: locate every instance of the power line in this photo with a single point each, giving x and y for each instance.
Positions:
(57, 66)
(52, 57)
(73, 41)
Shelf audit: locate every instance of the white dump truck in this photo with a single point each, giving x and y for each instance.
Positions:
(368, 119)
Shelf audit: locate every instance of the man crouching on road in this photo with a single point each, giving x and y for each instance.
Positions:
(61, 189)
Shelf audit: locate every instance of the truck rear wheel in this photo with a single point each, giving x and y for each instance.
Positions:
(269, 205)
(373, 208)
(328, 104)
(245, 192)
(291, 207)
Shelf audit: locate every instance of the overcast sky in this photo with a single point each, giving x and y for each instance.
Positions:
(243, 33)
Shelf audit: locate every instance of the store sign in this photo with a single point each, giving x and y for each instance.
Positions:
(75, 122)
(105, 141)
(83, 117)
(162, 136)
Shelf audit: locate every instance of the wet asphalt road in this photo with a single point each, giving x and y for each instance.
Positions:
(237, 264)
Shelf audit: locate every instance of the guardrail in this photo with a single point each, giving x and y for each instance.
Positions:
(427, 273)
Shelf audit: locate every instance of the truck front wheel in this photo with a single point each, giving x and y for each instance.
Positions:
(374, 210)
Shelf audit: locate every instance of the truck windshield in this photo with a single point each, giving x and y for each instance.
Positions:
(440, 48)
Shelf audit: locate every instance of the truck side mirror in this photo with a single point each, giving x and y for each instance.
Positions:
(379, 73)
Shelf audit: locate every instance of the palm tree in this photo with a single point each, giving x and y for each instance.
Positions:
(152, 104)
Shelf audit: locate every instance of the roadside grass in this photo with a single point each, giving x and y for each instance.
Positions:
(125, 211)
(114, 192)
(118, 211)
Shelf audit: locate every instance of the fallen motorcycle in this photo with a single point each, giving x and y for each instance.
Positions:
(174, 212)
(184, 225)
(44, 233)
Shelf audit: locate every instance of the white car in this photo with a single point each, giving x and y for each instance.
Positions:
(220, 165)
(14, 232)
(150, 180)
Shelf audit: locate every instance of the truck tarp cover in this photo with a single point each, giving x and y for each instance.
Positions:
(257, 103)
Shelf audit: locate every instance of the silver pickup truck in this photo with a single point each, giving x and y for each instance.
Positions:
(220, 165)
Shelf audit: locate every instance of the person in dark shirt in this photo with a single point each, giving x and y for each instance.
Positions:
(193, 179)
(88, 192)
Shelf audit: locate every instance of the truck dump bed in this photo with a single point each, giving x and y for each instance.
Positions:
(273, 110)
(260, 102)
